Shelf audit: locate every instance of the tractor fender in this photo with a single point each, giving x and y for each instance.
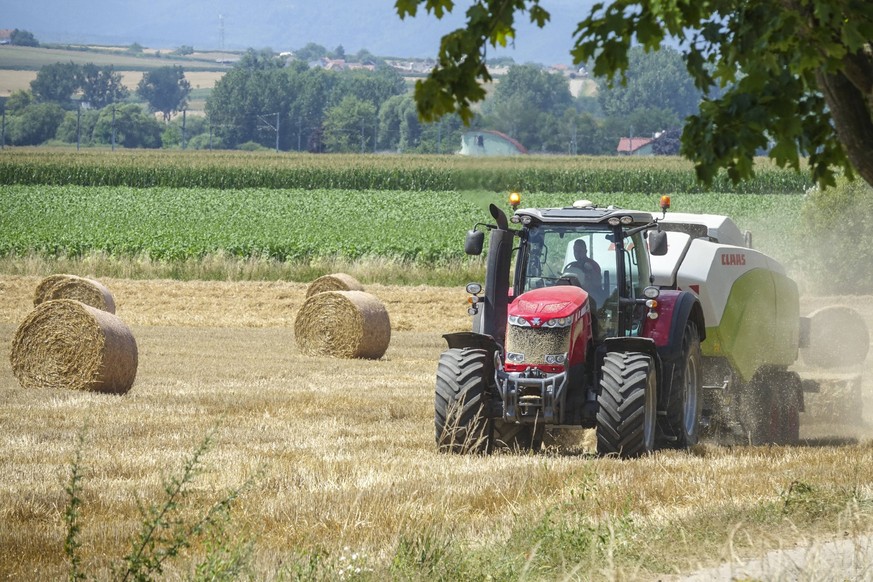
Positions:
(471, 339)
(477, 341)
(643, 345)
(675, 310)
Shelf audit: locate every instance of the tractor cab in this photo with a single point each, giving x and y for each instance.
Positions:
(601, 251)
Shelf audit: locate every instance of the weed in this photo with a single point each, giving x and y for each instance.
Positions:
(165, 530)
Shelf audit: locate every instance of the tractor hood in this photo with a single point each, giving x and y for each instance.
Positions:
(541, 305)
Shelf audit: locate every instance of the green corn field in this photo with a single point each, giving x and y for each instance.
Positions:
(182, 206)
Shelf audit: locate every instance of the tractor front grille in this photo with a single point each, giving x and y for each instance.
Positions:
(536, 342)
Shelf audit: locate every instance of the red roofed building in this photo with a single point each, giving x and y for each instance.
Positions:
(635, 146)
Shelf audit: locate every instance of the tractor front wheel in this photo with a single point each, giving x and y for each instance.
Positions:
(460, 402)
(627, 410)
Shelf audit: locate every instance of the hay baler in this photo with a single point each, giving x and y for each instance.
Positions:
(684, 330)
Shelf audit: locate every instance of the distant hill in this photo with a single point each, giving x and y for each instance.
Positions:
(277, 24)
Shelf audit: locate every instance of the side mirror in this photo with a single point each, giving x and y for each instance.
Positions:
(658, 243)
(474, 242)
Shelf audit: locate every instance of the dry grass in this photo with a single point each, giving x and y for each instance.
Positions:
(349, 463)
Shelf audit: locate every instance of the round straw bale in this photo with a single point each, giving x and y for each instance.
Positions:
(64, 343)
(46, 285)
(343, 324)
(88, 291)
(334, 282)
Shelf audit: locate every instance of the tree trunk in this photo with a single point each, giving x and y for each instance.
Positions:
(850, 99)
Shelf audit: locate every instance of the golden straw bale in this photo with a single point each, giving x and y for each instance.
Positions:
(88, 291)
(64, 343)
(334, 282)
(46, 285)
(343, 324)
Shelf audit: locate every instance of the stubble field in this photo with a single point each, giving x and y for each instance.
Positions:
(345, 481)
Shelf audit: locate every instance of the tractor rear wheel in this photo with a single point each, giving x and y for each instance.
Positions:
(460, 402)
(681, 427)
(627, 410)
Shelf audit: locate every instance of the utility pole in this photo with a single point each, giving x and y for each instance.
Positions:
(184, 111)
(573, 148)
(78, 125)
(271, 126)
(113, 128)
(3, 126)
(299, 131)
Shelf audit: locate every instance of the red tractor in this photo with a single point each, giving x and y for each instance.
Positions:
(575, 338)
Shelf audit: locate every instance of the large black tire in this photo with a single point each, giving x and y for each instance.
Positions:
(627, 405)
(680, 428)
(460, 403)
(517, 437)
(770, 407)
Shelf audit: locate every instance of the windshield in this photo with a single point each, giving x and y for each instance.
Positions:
(586, 256)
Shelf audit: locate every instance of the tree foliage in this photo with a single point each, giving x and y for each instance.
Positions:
(349, 126)
(23, 38)
(134, 128)
(36, 123)
(301, 96)
(653, 80)
(165, 89)
(797, 75)
(55, 83)
(526, 104)
(101, 86)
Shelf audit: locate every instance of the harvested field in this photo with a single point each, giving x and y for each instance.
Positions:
(344, 466)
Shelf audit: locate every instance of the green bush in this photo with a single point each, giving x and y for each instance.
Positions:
(838, 225)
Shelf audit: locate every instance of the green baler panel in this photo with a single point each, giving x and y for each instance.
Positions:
(760, 324)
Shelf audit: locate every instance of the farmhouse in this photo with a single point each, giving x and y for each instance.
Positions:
(635, 146)
(488, 142)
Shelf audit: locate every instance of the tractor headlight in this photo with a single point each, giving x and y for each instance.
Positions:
(514, 357)
(474, 288)
(519, 321)
(556, 359)
(651, 292)
(559, 322)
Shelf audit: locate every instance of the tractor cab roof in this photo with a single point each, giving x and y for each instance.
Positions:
(582, 212)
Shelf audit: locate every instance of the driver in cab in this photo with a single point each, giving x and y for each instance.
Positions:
(585, 269)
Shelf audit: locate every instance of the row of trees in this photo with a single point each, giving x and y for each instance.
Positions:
(87, 104)
(265, 102)
(300, 108)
